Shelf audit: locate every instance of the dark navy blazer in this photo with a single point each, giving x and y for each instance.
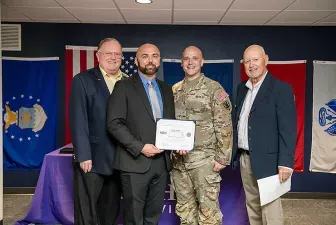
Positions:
(87, 114)
(271, 127)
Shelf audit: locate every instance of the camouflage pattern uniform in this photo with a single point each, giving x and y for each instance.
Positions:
(196, 185)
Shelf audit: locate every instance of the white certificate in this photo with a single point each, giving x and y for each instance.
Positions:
(270, 188)
(175, 134)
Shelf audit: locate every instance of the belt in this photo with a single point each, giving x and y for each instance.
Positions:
(247, 152)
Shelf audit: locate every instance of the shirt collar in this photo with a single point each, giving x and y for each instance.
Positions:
(119, 75)
(195, 81)
(145, 80)
(257, 85)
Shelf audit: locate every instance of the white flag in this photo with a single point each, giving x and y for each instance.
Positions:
(323, 152)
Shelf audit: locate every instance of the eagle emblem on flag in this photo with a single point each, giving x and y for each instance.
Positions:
(26, 118)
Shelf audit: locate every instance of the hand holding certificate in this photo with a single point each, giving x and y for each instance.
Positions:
(270, 188)
(175, 134)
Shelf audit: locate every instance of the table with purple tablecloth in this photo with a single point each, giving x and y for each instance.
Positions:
(53, 203)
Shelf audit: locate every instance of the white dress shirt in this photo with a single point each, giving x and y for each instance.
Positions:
(245, 111)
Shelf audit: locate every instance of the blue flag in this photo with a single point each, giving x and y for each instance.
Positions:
(218, 70)
(30, 105)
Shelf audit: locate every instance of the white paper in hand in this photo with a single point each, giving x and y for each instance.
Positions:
(270, 188)
(175, 134)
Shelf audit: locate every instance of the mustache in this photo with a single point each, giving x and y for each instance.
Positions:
(150, 64)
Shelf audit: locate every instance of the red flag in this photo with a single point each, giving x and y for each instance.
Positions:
(293, 73)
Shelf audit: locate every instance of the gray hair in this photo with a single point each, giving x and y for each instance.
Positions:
(107, 40)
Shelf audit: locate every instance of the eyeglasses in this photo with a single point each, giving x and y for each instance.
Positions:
(118, 55)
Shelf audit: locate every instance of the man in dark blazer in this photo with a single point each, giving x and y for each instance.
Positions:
(264, 134)
(97, 188)
(132, 110)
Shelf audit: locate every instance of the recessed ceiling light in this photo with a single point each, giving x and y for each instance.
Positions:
(144, 1)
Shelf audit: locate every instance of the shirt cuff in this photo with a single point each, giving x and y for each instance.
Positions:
(286, 167)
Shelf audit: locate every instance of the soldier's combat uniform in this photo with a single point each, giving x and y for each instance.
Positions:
(196, 185)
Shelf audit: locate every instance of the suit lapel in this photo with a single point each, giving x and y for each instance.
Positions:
(241, 98)
(262, 93)
(101, 83)
(143, 95)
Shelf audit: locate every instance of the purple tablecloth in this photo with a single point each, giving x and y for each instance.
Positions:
(53, 203)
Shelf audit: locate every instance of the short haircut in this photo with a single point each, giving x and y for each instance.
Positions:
(107, 40)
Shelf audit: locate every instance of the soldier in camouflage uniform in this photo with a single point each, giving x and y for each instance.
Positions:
(195, 175)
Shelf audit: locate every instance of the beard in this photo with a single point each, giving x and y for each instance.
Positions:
(149, 69)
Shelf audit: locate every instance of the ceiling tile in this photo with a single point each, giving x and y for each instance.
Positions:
(242, 23)
(96, 14)
(202, 4)
(7, 12)
(248, 16)
(147, 22)
(156, 4)
(196, 22)
(271, 23)
(261, 4)
(48, 13)
(104, 21)
(325, 24)
(16, 20)
(330, 18)
(300, 16)
(160, 15)
(46, 20)
(30, 3)
(87, 3)
(197, 15)
(202, 12)
(313, 5)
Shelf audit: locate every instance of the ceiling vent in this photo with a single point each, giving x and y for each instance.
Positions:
(11, 37)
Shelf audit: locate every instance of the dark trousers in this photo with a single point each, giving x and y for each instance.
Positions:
(96, 198)
(143, 193)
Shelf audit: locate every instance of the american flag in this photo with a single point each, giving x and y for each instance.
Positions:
(81, 58)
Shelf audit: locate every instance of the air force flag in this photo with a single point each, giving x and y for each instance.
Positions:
(29, 110)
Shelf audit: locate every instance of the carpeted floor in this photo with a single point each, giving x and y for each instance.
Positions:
(297, 212)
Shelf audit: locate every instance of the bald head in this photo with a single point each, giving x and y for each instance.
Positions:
(255, 48)
(192, 62)
(193, 49)
(148, 60)
(255, 62)
(147, 48)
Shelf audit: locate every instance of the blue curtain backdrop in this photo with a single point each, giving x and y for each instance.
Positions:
(218, 70)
